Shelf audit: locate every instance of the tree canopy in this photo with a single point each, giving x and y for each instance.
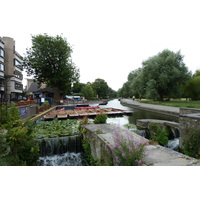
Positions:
(192, 88)
(49, 60)
(161, 76)
(101, 88)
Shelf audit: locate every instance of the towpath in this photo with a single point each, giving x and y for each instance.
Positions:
(168, 110)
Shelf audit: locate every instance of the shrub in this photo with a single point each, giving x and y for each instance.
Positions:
(100, 119)
(126, 151)
(191, 145)
(46, 103)
(158, 134)
(18, 146)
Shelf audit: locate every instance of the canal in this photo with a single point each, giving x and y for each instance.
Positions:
(137, 114)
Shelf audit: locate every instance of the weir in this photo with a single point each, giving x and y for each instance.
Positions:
(61, 151)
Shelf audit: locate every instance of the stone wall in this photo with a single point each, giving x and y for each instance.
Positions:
(189, 121)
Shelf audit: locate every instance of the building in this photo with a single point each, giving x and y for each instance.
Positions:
(10, 70)
(2, 70)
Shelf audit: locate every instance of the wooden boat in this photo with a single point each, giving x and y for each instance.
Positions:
(50, 116)
(81, 113)
(72, 113)
(61, 114)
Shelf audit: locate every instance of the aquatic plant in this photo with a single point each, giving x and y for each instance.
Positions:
(55, 128)
(100, 119)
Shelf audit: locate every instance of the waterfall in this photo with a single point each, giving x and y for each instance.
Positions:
(61, 151)
(59, 145)
(66, 159)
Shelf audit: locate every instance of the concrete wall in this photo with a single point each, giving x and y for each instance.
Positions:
(189, 121)
(27, 111)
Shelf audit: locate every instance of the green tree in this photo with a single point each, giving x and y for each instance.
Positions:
(192, 88)
(163, 75)
(49, 60)
(101, 88)
(88, 91)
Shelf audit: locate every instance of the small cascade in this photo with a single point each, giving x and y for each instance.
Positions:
(61, 151)
(59, 145)
(66, 159)
(173, 142)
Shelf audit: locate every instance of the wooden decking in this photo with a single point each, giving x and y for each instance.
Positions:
(77, 113)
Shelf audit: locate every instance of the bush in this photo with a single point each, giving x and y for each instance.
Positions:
(158, 134)
(100, 119)
(191, 145)
(18, 146)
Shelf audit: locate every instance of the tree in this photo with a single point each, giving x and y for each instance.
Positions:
(101, 88)
(192, 88)
(49, 60)
(163, 75)
(88, 91)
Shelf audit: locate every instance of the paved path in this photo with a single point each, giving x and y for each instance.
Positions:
(169, 110)
(157, 155)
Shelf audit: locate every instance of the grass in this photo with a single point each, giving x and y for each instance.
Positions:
(175, 103)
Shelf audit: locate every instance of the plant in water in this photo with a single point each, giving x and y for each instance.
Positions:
(100, 119)
(127, 151)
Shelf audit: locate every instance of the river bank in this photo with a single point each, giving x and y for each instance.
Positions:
(167, 110)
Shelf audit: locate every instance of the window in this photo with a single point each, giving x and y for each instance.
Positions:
(17, 63)
(18, 86)
(2, 68)
(1, 52)
(18, 75)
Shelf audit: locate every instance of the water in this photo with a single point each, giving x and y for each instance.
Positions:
(61, 151)
(142, 114)
(65, 159)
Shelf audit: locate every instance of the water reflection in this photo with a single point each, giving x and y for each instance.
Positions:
(137, 114)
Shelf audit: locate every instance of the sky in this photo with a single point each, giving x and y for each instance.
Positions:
(109, 38)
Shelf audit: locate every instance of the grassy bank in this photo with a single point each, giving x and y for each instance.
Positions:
(175, 103)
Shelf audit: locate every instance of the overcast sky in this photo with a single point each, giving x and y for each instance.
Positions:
(110, 38)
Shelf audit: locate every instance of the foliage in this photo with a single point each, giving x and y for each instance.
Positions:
(10, 116)
(18, 146)
(55, 128)
(164, 74)
(191, 144)
(158, 133)
(45, 103)
(100, 119)
(192, 88)
(49, 60)
(101, 88)
(126, 151)
(161, 76)
(87, 153)
(4, 146)
(88, 91)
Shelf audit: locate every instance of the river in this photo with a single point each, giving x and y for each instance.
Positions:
(137, 114)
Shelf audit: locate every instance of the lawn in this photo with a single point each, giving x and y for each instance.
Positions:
(175, 103)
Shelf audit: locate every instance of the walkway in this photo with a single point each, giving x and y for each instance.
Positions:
(168, 110)
(157, 155)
